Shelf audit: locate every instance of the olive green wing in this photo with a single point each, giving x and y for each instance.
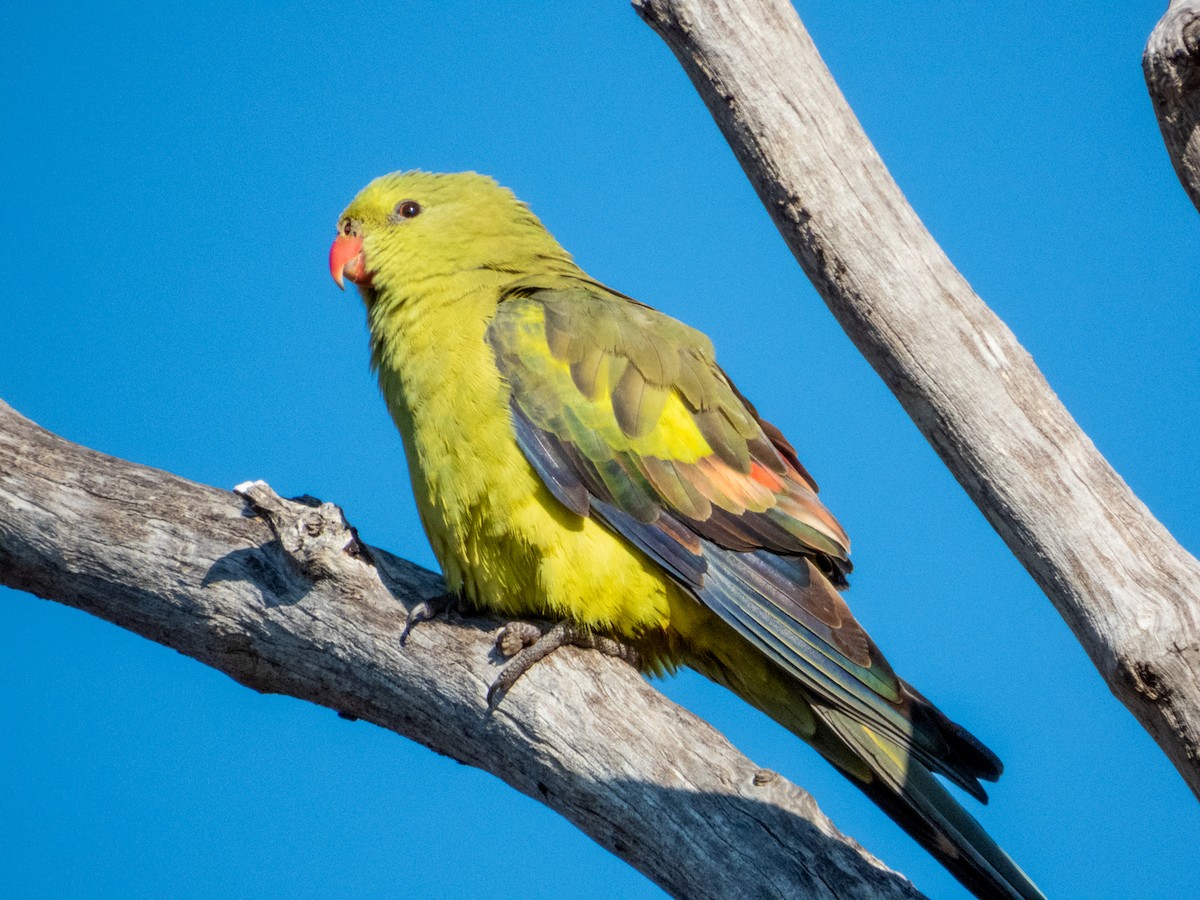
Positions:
(631, 408)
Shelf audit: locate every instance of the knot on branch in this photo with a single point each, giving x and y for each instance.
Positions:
(314, 536)
(1144, 678)
(763, 777)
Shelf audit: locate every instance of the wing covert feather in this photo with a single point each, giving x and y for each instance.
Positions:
(639, 395)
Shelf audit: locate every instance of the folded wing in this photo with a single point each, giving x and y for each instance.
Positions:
(627, 418)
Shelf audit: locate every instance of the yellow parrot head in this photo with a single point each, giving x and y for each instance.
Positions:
(413, 225)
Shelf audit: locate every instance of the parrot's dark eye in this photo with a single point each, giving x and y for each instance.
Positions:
(407, 209)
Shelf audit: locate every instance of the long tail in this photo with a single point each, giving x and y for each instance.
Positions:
(897, 782)
(918, 803)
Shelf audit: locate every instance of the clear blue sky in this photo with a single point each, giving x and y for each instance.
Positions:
(170, 182)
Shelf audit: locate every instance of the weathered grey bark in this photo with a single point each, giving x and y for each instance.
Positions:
(1126, 588)
(1171, 64)
(289, 601)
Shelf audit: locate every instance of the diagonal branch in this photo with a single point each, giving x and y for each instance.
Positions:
(284, 598)
(1125, 587)
(1171, 65)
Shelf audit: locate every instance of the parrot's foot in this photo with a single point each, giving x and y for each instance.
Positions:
(426, 610)
(516, 636)
(527, 644)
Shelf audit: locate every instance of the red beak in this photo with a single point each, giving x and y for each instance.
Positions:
(346, 260)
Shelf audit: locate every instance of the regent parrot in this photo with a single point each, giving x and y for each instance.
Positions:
(579, 456)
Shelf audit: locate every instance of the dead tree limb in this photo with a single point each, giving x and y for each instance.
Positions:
(1125, 587)
(284, 598)
(1171, 65)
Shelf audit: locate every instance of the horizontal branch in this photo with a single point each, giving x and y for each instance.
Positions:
(1125, 587)
(284, 598)
(1171, 65)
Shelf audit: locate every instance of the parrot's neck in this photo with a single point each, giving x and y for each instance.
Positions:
(435, 367)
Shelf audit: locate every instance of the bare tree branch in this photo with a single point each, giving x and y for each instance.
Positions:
(1126, 588)
(283, 597)
(1171, 64)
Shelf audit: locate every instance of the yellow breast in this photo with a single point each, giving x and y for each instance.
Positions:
(501, 537)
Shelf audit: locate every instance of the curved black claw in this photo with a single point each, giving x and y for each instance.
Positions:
(426, 610)
(527, 644)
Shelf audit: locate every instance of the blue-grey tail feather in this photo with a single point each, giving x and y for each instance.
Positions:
(919, 804)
